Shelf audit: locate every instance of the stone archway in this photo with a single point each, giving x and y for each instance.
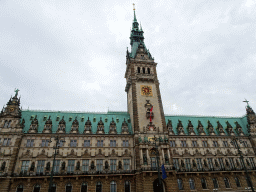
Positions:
(157, 187)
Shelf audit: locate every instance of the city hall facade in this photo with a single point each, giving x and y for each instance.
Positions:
(123, 151)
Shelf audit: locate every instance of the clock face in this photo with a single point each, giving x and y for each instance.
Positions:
(146, 90)
(11, 109)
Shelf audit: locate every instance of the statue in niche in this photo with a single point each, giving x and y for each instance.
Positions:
(106, 165)
(78, 166)
(166, 158)
(48, 165)
(145, 161)
(120, 165)
(92, 165)
(63, 166)
(32, 166)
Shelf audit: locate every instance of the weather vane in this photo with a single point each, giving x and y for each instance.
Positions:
(245, 100)
(133, 6)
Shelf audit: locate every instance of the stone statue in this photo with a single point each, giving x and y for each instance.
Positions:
(16, 90)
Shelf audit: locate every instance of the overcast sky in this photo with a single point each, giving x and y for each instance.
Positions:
(70, 55)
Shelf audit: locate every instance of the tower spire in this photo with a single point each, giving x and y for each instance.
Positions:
(135, 20)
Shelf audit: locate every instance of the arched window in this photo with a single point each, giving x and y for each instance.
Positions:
(98, 187)
(191, 184)
(238, 184)
(36, 188)
(113, 186)
(203, 181)
(9, 124)
(180, 184)
(143, 70)
(127, 186)
(148, 70)
(138, 69)
(19, 188)
(84, 187)
(226, 181)
(53, 187)
(5, 124)
(215, 183)
(68, 187)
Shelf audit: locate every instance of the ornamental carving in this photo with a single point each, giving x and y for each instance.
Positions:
(75, 125)
(62, 126)
(100, 127)
(88, 126)
(125, 129)
(112, 127)
(48, 126)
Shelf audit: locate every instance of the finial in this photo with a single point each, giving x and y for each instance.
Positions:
(245, 100)
(133, 7)
(16, 90)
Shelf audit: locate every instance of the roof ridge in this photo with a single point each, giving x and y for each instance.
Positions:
(38, 110)
(206, 116)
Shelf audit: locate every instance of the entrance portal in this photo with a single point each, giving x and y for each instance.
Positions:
(157, 187)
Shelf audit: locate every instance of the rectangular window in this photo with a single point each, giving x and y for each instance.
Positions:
(183, 144)
(210, 163)
(112, 164)
(188, 164)
(87, 143)
(153, 162)
(85, 165)
(61, 143)
(73, 143)
(245, 143)
(199, 163)
(231, 161)
(45, 143)
(176, 164)
(205, 144)
(221, 163)
(25, 166)
(100, 143)
(40, 166)
(56, 167)
(252, 162)
(30, 143)
(71, 166)
(127, 164)
(125, 143)
(215, 144)
(7, 141)
(172, 144)
(225, 144)
(112, 143)
(99, 165)
(194, 143)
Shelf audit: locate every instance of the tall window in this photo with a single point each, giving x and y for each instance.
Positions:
(215, 144)
(99, 164)
(113, 186)
(188, 164)
(153, 162)
(194, 143)
(68, 187)
(40, 166)
(143, 70)
(24, 166)
(205, 144)
(215, 183)
(199, 163)
(180, 184)
(225, 144)
(191, 184)
(56, 167)
(53, 187)
(112, 164)
(172, 144)
(231, 161)
(245, 144)
(71, 166)
(36, 188)
(226, 181)
(203, 182)
(252, 162)
(221, 163)
(148, 70)
(237, 182)
(100, 143)
(85, 165)
(84, 187)
(30, 143)
(210, 163)
(45, 143)
(19, 188)
(86, 143)
(125, 143)
(73, 143)
(112, 143)
(6, 141)
(61, 143)
(98, 187)
(5, 124)
(138, 69)
(183, 144)
(126, 164)
(176, 164)
(127, 186)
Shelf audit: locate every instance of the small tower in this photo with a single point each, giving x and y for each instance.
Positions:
(251, 119)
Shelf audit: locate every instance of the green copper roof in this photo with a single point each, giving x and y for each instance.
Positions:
(242, 121)
(82, 117)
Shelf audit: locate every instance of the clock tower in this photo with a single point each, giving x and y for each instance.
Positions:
(142, 86)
